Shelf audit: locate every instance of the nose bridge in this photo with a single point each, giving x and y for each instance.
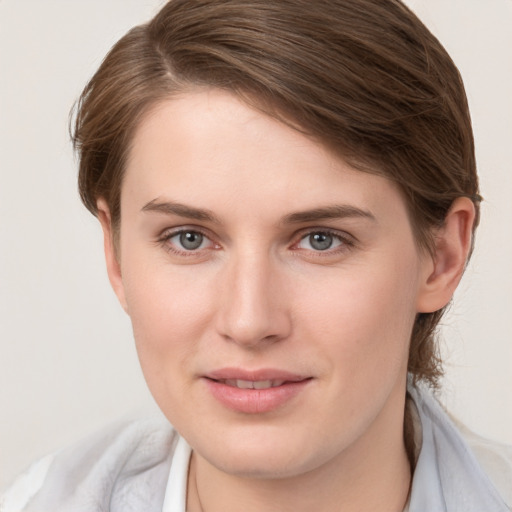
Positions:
(252, 310)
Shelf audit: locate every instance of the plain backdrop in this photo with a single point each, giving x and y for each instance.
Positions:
(67, 360)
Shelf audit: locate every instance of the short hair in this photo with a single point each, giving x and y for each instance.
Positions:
(363, 77)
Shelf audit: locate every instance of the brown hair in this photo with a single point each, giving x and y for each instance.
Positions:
(364, 77)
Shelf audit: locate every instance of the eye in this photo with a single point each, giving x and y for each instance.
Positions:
(189, 240)
(321, 241)
(185, 241)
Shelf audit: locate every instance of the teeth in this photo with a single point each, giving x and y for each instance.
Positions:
(263, 384)
(250, 384)
(244, 384)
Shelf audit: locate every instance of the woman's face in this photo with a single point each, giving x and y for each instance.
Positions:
(271, 287)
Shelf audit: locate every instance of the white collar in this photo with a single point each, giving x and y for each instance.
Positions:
(176, 490)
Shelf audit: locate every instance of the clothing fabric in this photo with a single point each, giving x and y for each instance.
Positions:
(143, 466)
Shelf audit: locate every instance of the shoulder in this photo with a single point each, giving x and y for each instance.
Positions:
(120, 467)
(457, 469)
(495, 458)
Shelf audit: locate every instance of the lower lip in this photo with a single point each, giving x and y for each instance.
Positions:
(255, 401)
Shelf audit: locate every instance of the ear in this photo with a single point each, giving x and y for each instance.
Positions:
(452, 246)
(111, 256)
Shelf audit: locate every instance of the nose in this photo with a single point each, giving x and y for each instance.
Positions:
(253, 310)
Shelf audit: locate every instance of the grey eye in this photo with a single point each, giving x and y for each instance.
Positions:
(191, 240)
(321, 241)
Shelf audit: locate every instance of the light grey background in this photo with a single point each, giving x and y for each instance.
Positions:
(67, 361)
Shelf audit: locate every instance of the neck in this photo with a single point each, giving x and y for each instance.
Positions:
(372, 475)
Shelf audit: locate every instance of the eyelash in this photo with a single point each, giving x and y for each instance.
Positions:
(346, 242)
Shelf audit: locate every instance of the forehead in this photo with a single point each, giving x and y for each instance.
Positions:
(212, 150)
(217, 125)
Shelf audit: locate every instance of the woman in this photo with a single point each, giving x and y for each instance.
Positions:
(288, 196)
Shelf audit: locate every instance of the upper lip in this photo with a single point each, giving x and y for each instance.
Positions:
(262, 374)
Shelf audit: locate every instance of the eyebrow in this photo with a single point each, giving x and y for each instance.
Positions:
(315, 214)
(329, 212)
(182, 210)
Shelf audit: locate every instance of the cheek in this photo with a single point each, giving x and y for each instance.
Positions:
(363, 316)
(169, 309)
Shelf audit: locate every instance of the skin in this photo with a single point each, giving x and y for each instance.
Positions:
(258, 294)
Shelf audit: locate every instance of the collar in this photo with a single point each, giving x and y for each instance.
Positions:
(447, 477)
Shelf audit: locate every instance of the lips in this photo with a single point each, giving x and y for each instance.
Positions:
(255, 392)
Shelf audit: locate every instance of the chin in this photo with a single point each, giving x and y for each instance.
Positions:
(260, 467)
(261, 457)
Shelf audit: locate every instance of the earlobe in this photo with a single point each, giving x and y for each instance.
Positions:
(111, 256)
(452, 247)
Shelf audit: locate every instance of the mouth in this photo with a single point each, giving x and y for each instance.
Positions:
(255, 392)
(251, 384)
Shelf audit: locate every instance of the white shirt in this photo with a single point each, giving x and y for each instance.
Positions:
(176, 491)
